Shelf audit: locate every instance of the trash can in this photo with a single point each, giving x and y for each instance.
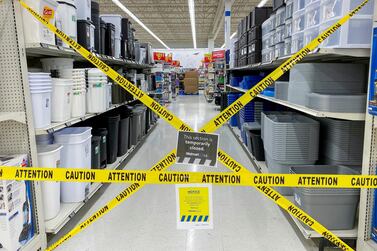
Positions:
(102, 132)
(96, 152)
(257, 144)
(112, 124)
(124, 129)
(135, 132)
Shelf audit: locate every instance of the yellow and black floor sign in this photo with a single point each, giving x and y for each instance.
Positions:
(194, 206)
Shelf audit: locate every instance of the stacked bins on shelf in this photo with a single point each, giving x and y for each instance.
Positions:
(242, 41)
(279, 32)
(97, 24)
(288, 27)
(232, 97)
(126, 31)
(254, 33)
(96, 152)
(66, 20)
(85, 27)
(336, 208)
(116, 20)
(76, 153)
(124, 131)
(112, 125)
(102, 133)
(110, 40)
(136, 120)
(289, 139)
(268, 37)
(103, 31)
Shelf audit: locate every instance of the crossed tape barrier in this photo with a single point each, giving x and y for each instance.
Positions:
(286, 66)
(216, 178)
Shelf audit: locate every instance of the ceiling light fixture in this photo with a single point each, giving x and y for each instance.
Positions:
(137, 20)
(191, 5)
(262, 3)
(232, 36)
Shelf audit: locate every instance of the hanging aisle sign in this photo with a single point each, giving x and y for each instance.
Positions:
(197, 148)
(194, 206)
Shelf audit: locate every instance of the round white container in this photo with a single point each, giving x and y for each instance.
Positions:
(96, 97)
(78, 103)
(67, 19)
(49, 157)
(61, 99)
(76, 153)
(41, 103)
(49, 64)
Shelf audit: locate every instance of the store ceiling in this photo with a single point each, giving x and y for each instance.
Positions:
(170, 20)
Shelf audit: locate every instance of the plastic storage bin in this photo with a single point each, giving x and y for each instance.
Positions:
(298, 5)
(288, 28)
(341, 142)
(112, 125)
(279, 34)
(34, 31)
(335, 208)
(297, 42)
(352, 103)
(288, 9)
(84, 34)
(281, 90)
(49, 64)
(257, 145)
(280, 16)
(298, 21)
(268, 26)
(110, 40)
(45, 139)
(336, 9)
(312, 14)
(96, 152)
(40, 90)
(61, 99)
(49, 157)
(66, 19)
(279, 50)
(84, 11)
(287, 46)
(97, 23)
(102, 133)
(123, 135)
(310, 34)
(76, 153)
(116, 20)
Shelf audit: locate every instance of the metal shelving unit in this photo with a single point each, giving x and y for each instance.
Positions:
(315, 113)
(69, 210)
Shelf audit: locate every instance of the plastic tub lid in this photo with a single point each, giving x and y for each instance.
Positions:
(73, 135)
(48, 149)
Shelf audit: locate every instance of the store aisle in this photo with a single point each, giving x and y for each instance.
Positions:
(243, 218)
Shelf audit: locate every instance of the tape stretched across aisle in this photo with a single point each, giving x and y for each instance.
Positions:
(127, 85)
(234, 108)
(162, 165)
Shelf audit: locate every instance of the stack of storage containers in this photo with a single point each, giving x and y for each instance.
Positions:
(97, 96)
(66, 20)
(97, 26)
(333, 87)
(61, 101)
(232, 97)
(85, 27)
(279, 32)
(288, 27)
(243, 27)
(289, 139)
(116, 20)
(78, 77)
(268, 34)
(41, 89)
(254, 38)
(298, 25)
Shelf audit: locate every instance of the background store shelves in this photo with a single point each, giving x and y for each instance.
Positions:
(320, 54)
(68, 210)
(315, 113)
(44, 50)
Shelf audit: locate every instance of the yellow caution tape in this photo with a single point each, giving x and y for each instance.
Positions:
(162, 165)
(217, 178)
(127, 85)
(234, 108)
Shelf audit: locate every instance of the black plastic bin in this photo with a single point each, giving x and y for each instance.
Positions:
(124, 131)
(102, 132)
(112, 125)
(110, 40)
(102, 37)
(135, 122)
(83, 33)
(96, 22)
(257, 144)
(96, 152)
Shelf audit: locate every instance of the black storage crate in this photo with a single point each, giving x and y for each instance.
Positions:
(259, 15)
(254, 33)
(254, 58)
(254, 47)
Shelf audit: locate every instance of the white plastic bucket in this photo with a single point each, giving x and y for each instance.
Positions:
(41, 103)
(66, 18)
(35, 31)
(61, 99)
(76, 153)
(78, 103)
(96, 98)
(49, 157)
(49, 64)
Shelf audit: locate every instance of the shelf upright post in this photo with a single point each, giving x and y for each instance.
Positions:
(17, 137)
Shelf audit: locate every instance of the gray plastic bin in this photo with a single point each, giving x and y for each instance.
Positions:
(337, 102)
(335, 208)
(281, 90)
(136, 126)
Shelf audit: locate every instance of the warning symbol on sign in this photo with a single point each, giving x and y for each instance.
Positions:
(197, 148)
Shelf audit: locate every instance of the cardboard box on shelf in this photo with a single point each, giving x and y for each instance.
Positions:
(191, 85)
(191, 74)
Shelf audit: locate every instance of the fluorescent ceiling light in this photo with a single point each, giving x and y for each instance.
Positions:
(262, 3)
(191, 5)
(232, 36)
(137, 20)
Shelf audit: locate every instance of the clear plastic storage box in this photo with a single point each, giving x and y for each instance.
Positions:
(287, 46)
(310, 34)
(298, 5)
(336, 9)
(288, 9)
(298, 21)
(279, 50)
(312, 14)
(297, 42)
(268, 26)
(280, 16)
(288, 28)
(279, 34)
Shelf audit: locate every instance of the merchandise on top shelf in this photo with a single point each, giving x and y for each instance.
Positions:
(76, 153)
(16, 207)
(280, 16)
(110, 40)
(103, 31)
(312, 14)
(116, 20)
(298, 5)
(288, 28)
(298, 21)
(40, 85)
(84, 9)
(50, 64)
(66, 20)
(49, 157)
(268, 26)
(45, 139)
(297, 42)
(287, 46)
(61, 99)
(34, 31)
(310, 34)
(258, 15)
(281, 90)
(277, 4)
(85, 34)
(349, 103)
(97, 24)
(335, 208)
(279, 34)
(288, 9)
